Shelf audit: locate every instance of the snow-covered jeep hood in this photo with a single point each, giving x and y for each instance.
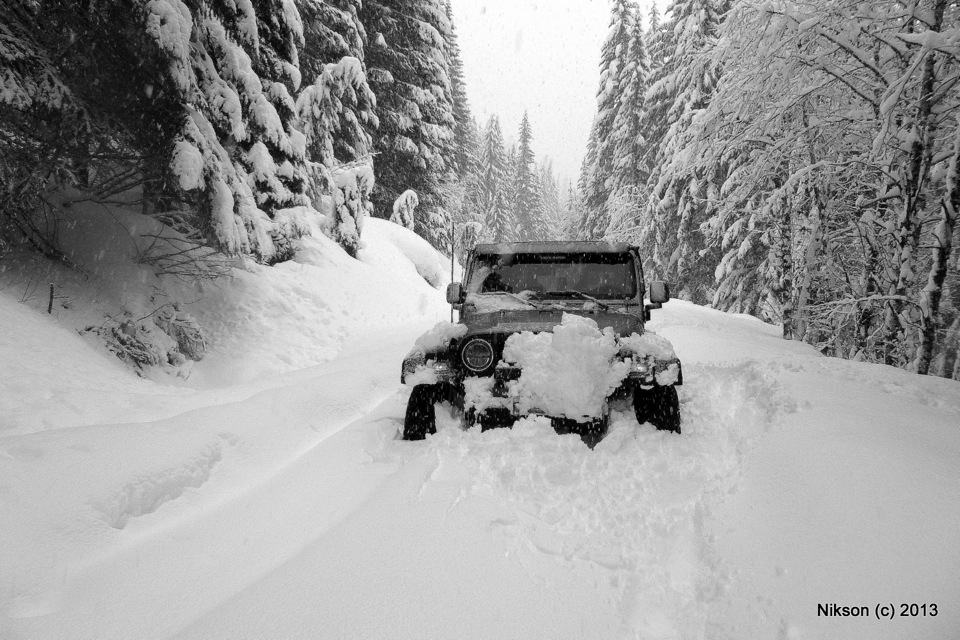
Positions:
(507, 321)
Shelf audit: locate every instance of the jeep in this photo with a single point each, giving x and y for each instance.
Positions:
(517, 287)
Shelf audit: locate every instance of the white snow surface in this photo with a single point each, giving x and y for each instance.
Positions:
(270, 497)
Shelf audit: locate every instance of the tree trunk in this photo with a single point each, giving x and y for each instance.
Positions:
(941, 251)
(918, 166)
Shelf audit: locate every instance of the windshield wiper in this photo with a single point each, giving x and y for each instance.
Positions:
(515, 297)
(579, 294)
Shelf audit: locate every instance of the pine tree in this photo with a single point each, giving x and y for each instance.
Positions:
(554, 214)
(464, 130)
(337, 112)
(580, 228)
(659, 95)
(193, 102)
(614, 75)
(331, 30)
(527, 207)
(628, 171)
(686, 80)
(492, 187)
(408, 69)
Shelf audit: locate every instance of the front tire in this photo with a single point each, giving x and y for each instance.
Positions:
(660, 406)
(420, 418)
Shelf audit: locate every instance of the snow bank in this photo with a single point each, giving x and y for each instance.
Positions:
(432, 266)
(255, 320)
(301, 313)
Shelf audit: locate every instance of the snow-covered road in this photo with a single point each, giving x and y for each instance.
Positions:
(287, 507)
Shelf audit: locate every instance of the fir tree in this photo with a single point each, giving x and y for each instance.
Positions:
(492, 188)
(195, 102)
(628, 172)
(331, 30)
(614, 74)
(527, 207)
(686, 80)
(659, 94)
(464, 130)
(408, 70)
(554, 214)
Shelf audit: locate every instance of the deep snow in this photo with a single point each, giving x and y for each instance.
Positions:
(268, 495)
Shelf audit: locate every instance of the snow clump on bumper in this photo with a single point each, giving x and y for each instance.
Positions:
(569, 372)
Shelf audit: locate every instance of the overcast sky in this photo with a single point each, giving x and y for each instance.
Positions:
(538, 55)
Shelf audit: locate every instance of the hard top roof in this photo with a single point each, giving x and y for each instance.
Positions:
(552, 246)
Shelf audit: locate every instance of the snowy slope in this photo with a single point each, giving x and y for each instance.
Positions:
(283, 505)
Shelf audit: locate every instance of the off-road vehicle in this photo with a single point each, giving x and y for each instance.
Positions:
(517, 287)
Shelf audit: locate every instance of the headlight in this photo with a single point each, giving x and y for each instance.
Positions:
(477, 355)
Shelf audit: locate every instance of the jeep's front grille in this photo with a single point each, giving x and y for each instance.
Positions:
(503, 375)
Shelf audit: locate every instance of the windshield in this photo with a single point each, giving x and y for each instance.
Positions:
(609, 276)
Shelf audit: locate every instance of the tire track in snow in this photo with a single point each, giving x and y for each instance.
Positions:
(639, 506)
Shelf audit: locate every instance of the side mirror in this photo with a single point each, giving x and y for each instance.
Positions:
(454, 293)
(659, 292)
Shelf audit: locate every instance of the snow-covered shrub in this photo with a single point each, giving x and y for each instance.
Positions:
(404, 208)
(290, 224)
(469, 233)
(184, 329)
(351, 203)
(168, 340)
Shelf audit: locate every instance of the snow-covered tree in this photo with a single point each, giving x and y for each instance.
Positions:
(194, 102)
(615, 72)
(492, 187)
(659, 45)
(527, 207)
(628, 172)
(336, 112)
(818, 169)
(404, 209)
(409, 71)
(331, 31)
(685, 80)
(464, 158)
(351, 204)
(554, 213)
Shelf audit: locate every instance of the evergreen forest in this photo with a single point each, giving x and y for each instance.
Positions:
(793, 161)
